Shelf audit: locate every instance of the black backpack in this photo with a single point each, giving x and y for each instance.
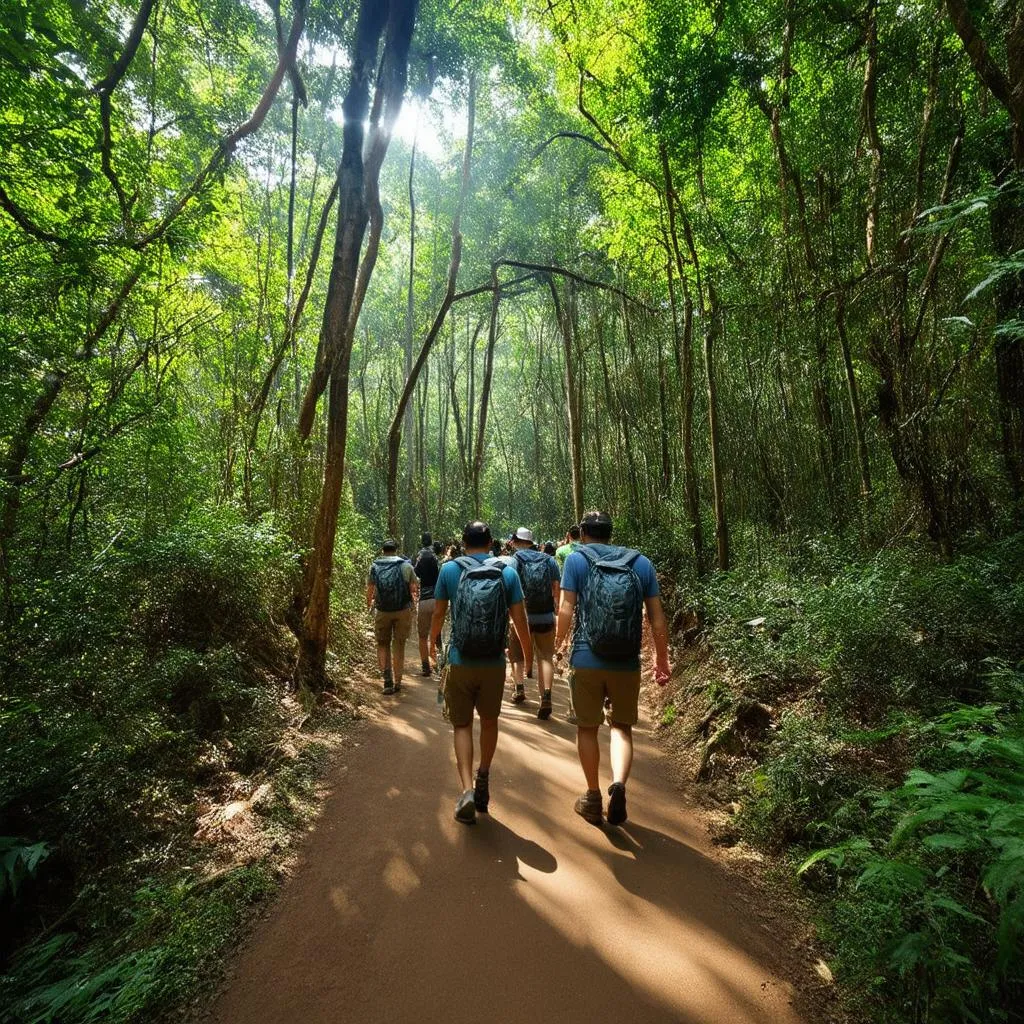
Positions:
(427, 568)
(532, 567)
(480, 610)
(393, 592)
(612, 604)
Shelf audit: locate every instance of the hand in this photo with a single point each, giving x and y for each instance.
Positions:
(662, 671)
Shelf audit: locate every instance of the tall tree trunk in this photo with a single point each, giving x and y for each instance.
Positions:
(853, 393)
(485, 389)
(563, 315)
(336, 334)
(711, 335)
(413, 372)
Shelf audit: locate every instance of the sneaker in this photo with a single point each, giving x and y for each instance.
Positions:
(481, 793)
(545, 706)
(616, 803)
(389, 689)
(571, 718)
(398, 686)
(465, 809)
(520, 695)
(588, 806)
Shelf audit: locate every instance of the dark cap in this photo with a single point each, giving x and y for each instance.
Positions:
(389, 544)
(476, 533)
(426, 540)
(596, 524)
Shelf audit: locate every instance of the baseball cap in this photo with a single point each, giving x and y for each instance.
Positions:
(523, 534)
(389, 544)
(476, 532)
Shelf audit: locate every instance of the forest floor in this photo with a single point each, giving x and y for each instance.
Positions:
(396, 912)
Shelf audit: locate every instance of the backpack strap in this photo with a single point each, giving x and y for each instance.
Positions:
(466, 562)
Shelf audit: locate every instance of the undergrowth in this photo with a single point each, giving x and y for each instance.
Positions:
(148, 679)
(892, 773)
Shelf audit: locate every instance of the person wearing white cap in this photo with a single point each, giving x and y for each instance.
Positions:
(539, 575)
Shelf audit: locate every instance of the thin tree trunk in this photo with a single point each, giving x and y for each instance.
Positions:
(710, 337)
(853, 392)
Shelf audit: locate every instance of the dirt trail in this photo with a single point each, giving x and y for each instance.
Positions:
(398, 913)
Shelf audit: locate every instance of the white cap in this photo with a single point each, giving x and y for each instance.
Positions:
(524, 534)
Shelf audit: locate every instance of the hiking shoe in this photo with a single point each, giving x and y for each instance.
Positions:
(529, 674)
(571, 717)
(389, 686)
(520, 695)
(588, 806)
(616, 803)
(545, 706)
(465, 809)
(481, 793)
(426, 668)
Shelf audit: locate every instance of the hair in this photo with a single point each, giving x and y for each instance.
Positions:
(597, 525)
(389, 545)
(496, 547)
(438, 548)
(476, 534)
(426, 540)
(574, 531)
(549, 548)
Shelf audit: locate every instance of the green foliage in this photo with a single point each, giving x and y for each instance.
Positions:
(18, 860)
(174, 929)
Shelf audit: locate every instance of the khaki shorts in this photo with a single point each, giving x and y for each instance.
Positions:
(543, 646)
(472, 686)
(424, 614)
(590, 686)
(388, 624)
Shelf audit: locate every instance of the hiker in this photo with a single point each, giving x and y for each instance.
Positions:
(391, 587)
(572, 543)
(482, 596)
(520, 662)
(539, 576)
(605, 590)
(426, 568)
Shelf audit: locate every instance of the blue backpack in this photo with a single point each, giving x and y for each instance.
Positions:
(393, 592)
(532, 567)
(480, 610)
(611, 606)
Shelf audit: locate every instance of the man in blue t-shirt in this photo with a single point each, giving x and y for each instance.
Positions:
(592, 679)
(474, 683)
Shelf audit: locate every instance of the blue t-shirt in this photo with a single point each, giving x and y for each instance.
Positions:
(574, 577)
(448, 583)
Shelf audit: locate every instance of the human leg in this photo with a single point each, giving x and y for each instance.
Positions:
(383, 626)
(517, 660)
(589, 751)
(403, 623)
(621, 751)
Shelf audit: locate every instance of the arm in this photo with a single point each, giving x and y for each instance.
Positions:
(563, 624)
(517, 613)
(437, 622)
(371, 593)
(659, 632)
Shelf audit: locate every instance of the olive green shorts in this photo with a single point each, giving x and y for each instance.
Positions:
(590, 686)
(467, 687)
(392, 628)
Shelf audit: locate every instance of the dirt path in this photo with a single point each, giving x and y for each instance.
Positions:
(398, 913)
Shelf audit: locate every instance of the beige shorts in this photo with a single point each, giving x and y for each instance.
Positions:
(388, 625)
(590, 686)
(467, 687)
(424, 614)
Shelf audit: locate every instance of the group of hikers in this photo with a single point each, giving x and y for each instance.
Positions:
(590, 596)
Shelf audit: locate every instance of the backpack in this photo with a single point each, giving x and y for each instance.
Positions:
(532, 567)
(427, 568)
(480, 610)
(612, 604)
(393, 592)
